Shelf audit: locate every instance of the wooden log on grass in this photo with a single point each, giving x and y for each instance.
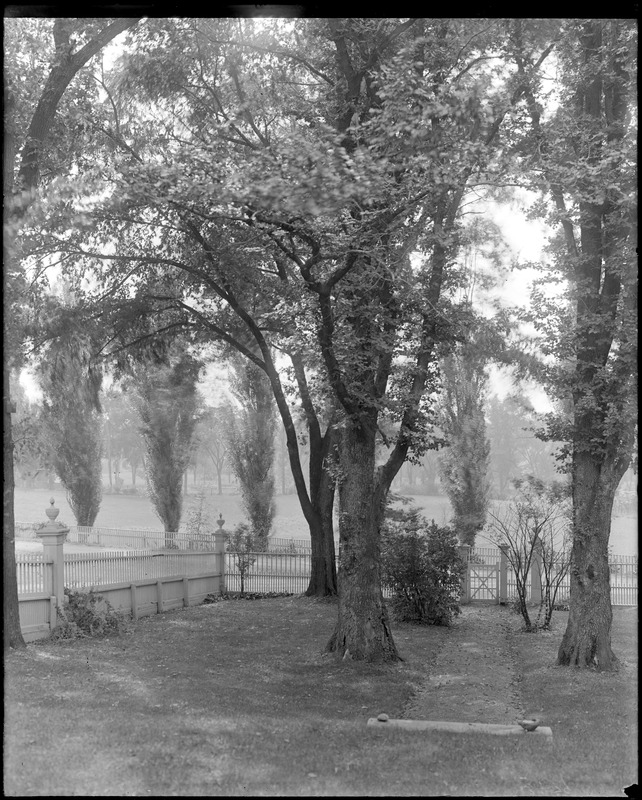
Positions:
(459, 727)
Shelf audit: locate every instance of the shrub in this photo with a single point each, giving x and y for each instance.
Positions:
(533, 530)
(87, 614)
(421, 564)
(242, 544)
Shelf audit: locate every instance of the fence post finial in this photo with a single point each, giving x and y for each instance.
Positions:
(53, 535)
(219, 546)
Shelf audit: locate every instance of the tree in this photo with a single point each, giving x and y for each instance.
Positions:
(250, 445)
(123, 441)
(26, 143)
(32, 452)
(166, 396)
(515, 449)
(72, 419)
(210, 441)
(241, 543)
(583, 159)
(464, 462)
(292, 208)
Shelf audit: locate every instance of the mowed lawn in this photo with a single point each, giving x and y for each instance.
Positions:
(125, 511)
(236, 698)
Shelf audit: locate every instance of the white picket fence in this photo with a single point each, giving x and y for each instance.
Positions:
(85, 570)
(273, 571)
(484, 578)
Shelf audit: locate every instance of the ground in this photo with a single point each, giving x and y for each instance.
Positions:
(473, 677)
(238, 698)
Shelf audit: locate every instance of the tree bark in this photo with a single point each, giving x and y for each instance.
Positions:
(587, 639)
(11, 616)
(323, 573)
(363, 630)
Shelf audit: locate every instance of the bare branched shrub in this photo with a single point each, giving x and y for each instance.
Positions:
(533, 529)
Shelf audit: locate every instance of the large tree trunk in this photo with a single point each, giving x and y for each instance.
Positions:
(323, 572)
(587, 639)
(363, 630)
(11, 615)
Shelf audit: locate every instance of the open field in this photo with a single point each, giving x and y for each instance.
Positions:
(123, 511)
(236, 698)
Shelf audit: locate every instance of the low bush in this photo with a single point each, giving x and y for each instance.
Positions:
(87, 614)
(421, 564)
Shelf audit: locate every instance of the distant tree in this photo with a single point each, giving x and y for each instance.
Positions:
(515, 449)
(211, 441)
(32, 452)
(250, 444)
(72, 421)
(464, 461)
(123, 441)
(166, 396)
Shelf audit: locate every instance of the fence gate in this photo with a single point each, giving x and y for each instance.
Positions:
(482, 578)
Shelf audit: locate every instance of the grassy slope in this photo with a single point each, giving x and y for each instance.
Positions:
(236, 698)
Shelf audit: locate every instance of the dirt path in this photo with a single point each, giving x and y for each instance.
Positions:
(473, 676)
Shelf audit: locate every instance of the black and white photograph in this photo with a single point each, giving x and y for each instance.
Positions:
(319, 404)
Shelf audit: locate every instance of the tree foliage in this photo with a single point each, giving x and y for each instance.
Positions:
(166, 397)
(31, 108)
(123, 440)
(250, 433)
(72, 422)
(421, 564)
(464, 462)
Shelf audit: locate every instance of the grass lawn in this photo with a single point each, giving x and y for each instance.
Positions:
(130, 511)
(236, 698)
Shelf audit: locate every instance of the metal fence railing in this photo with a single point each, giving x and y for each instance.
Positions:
(269, 572)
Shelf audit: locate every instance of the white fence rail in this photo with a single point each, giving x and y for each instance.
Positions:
(272, 571)
(84, 570)
(484, 579)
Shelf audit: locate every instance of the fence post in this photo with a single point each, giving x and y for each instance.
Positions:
(464, 554)
(53, 535)
(503, 575)
(536, 574)
(219, 548)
